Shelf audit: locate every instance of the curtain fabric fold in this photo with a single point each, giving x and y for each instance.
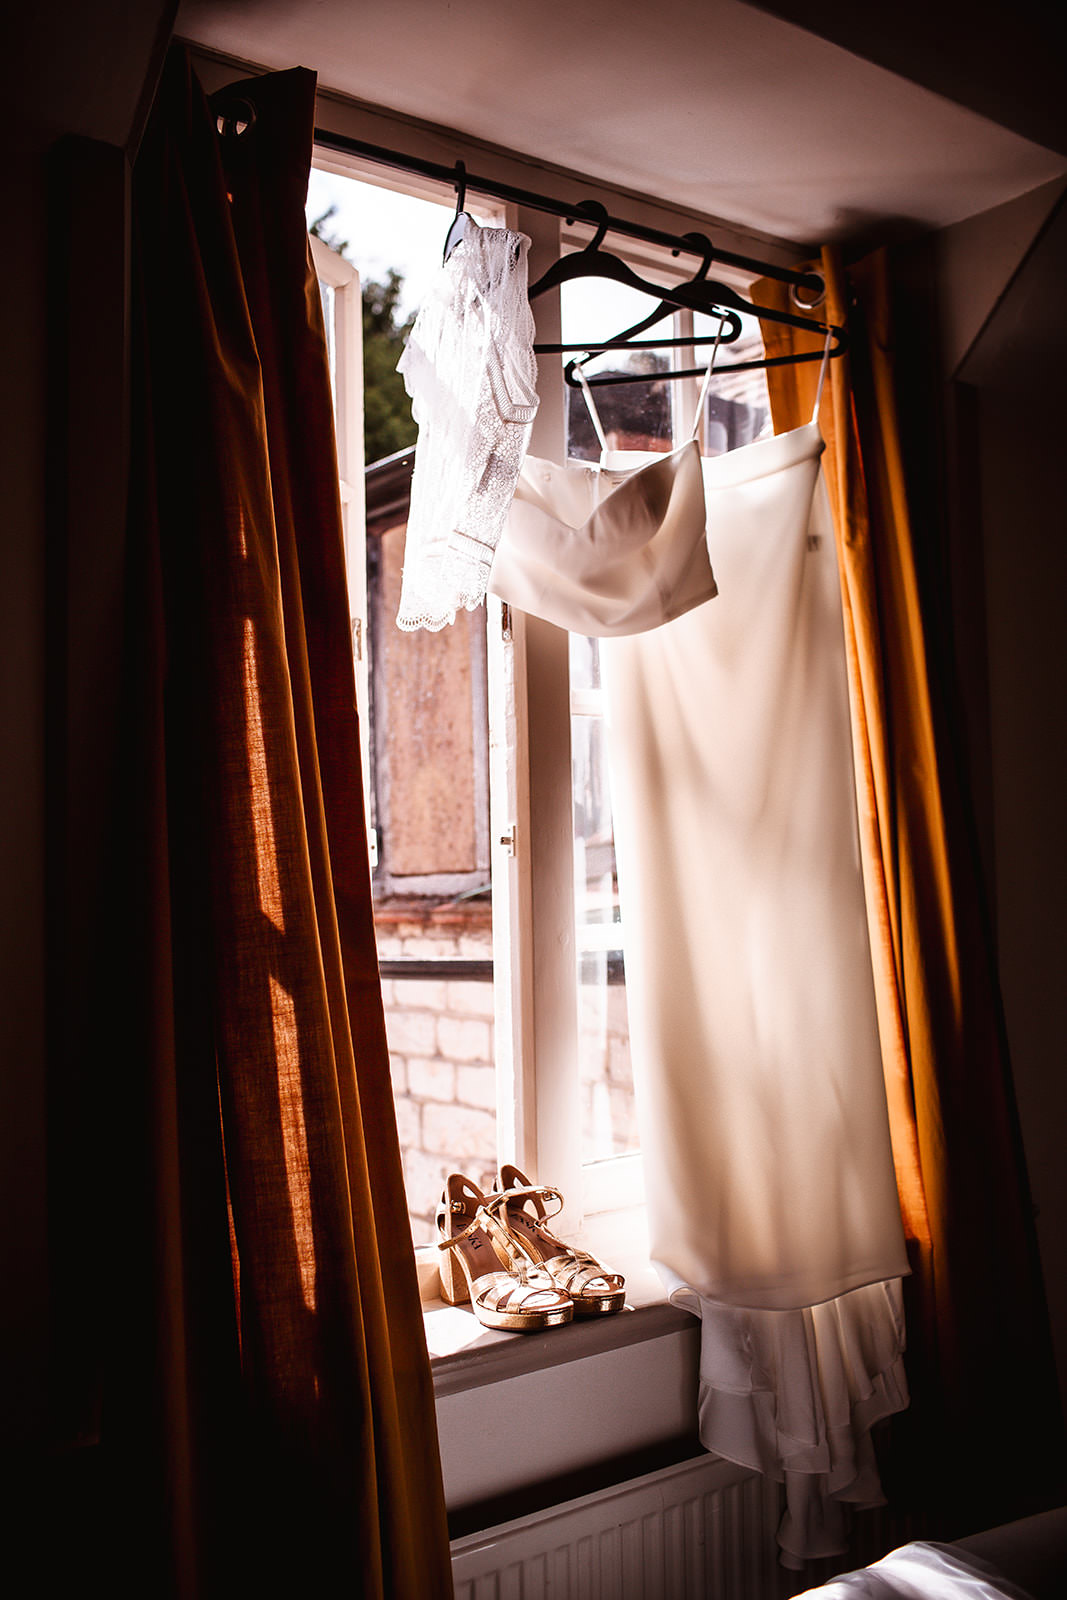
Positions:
(985, 1426)
(268, 1370)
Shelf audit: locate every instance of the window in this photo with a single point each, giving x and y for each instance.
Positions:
(496, 898)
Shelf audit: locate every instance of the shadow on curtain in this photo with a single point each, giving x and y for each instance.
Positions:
(266, 1412)
(983, 1439)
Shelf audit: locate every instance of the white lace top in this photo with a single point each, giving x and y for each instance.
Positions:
(470, 370)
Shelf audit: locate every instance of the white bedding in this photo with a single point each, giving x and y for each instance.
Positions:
(922, 1571)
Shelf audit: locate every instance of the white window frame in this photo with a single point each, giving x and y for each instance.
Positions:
(347, 349)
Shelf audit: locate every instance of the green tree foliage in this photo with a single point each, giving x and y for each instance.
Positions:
(387, 422)
(331, 240)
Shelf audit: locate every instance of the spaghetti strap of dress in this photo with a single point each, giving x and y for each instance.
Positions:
(594, 414)
(612, 548)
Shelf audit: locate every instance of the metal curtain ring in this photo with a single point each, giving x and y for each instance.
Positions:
(234, 116)
(808, 299)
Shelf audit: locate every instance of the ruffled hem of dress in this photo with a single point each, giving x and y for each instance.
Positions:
(794, 1394)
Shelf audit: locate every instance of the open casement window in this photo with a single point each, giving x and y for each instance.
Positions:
(561, 1105)
(342, 309)
(566, 1103)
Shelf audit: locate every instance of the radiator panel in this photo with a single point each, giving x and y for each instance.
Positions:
(703, 1528)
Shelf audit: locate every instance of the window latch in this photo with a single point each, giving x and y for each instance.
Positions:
(508, 841)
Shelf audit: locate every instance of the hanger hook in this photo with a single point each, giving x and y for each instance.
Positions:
(460, 181)
(593, 211)
(707, 249)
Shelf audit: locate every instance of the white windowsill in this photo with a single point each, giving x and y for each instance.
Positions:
(580, 1398)
(466, 1355)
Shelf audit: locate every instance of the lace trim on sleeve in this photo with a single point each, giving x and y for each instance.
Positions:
(470, 370)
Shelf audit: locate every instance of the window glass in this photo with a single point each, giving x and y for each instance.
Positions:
(326, 295)
(737, 409)
(634, 416)
(609, 1126)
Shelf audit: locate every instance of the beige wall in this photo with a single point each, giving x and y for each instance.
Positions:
(22, 1051)
(67, 68)
(1010, 558)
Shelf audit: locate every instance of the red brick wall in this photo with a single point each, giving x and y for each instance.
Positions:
(440, 1051)
(440, 1034)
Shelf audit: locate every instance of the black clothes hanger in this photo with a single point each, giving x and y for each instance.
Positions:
(730, 322)
(698, 294)
(666, 308)
(838, 346)
(462, 222)
(729, 328)
(729, 331)
(629, 340)
(458, 226)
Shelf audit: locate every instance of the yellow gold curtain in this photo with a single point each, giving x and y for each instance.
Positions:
(267, 1396)
(983, 1385)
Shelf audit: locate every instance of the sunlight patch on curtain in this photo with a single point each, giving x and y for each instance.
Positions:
(294, 1134)
(287, 1053)
(270, 893)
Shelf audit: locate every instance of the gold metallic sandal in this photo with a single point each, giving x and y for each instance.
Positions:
(482, 1263)
(596, 1292)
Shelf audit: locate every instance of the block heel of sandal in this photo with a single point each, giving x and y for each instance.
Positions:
(454, 1289)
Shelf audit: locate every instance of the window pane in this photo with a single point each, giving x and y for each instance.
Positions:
(326, 295)
(737, 409)
(607, 1099)
(432, 901)
(634, 416)
(584, 663)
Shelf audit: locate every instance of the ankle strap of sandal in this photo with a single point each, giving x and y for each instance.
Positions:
(517, 1259)
(464, 1233)
(539, 1193)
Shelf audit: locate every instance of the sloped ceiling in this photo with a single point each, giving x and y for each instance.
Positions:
(1007, 64)
(723, 109)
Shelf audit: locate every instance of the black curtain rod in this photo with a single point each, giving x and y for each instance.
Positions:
(559, 208)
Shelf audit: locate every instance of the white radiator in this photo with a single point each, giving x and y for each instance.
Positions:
(703, 1530)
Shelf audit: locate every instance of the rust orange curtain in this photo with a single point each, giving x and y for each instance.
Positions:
(985, 1418)
(266, 1410)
